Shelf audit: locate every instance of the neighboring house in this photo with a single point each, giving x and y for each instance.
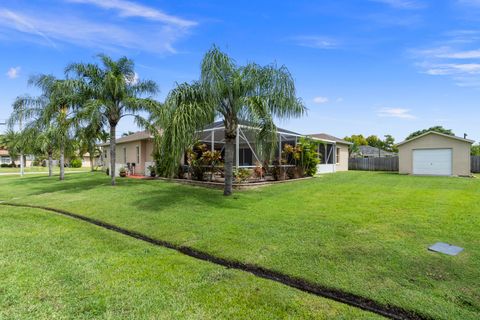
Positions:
(4, 156)
(134, 151)
(332, 161)
(86, 161)
(434, 153)
(372, 152)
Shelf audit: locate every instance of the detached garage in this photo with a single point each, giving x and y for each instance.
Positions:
(436, 154)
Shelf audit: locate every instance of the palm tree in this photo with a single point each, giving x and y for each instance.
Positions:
(54, 108)
(12, 141)
(113, 91)
(42, 141)
(252, 93)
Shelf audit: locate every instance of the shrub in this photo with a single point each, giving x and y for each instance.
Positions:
(4, 165)
(122, 172)
(76, 163)
(304, 156)
(242, 174)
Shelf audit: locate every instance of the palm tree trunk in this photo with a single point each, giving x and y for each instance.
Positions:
(112, 152)
(62, 162)
(91, 164)
(230, 137)
(50, 163)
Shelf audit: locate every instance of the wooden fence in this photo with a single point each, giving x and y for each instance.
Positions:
(475, 164)
(373, 164)
(391, 164)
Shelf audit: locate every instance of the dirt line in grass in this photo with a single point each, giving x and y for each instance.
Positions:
(389, 311)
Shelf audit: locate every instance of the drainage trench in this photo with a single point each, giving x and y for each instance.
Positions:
(389, 311)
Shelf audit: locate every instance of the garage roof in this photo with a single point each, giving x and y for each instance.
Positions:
(437, 133)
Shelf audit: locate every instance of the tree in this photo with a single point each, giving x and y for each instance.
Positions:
(90, 134)
(12, 141)
(439, 129)
(389, 144)
(357, 139)
(252, 93)
(113, 91)
(55, 108)
(475, 150)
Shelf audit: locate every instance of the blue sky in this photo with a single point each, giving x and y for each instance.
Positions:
(361, 66)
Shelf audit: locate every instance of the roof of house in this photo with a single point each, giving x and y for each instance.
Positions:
(439, 134)
(3, 152)
(374, 151)
(220, 124)
(324, 136)
(137, 136)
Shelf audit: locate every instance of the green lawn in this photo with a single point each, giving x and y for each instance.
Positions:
(365, 233)
(52, 267)
(56, 169)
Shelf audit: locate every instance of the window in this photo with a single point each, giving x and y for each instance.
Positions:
(338, 156)
(124, 155)
(138, 154)
(5, 160)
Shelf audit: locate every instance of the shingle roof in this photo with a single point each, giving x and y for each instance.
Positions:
(329, 137)
(219, 124)
(437, 133)
(3, 152)
(137, 136)
(373, 151)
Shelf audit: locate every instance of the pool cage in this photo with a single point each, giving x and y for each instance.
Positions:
(248, 154)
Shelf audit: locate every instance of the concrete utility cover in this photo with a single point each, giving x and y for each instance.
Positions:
(446, 248)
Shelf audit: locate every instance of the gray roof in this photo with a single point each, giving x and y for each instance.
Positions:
(439, 134)
(137, 136)
(373, 151)
(219, 124)
(329, 137)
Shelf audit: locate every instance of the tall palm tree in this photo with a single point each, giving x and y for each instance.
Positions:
(252, 93)
(112, 90)
(55, 107)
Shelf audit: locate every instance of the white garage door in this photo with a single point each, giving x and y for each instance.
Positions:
(432, 162)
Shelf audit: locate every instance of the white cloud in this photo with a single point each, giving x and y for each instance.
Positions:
(157, 34)
(13, 72)
(131, 9)
(469, 54)
(452, 69)
(320, 100)
(318, 42)
(402, 4)
(457, 56)
(395, 113)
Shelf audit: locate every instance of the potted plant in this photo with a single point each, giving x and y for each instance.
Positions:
(151, 169)
(122, 172)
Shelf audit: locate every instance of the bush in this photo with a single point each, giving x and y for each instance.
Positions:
(242, 174)
(75, 163)
(4, 165)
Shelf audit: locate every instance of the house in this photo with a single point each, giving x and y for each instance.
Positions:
(332, 161)
(434, 153)
(333, 151)
(134, 151)
(372, 152)
(4, 157)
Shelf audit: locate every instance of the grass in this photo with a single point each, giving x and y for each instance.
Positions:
(56, 169)
(361, 232)
(52, 267)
